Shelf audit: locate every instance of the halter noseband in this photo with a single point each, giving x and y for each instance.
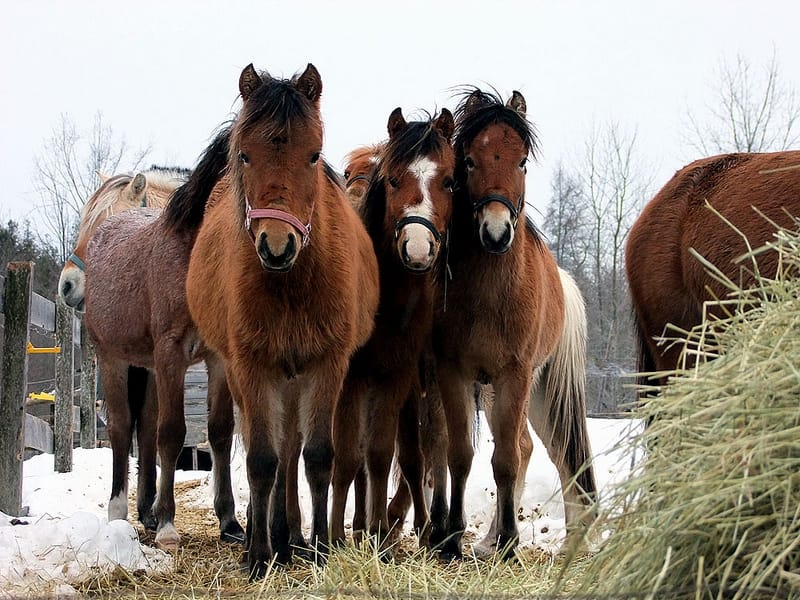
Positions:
(278, 215)
(355, 178)
(420, 221)
(514, 210)
(77, 262)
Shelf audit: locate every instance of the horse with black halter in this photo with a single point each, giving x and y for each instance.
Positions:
(509, 318)
(407, 211)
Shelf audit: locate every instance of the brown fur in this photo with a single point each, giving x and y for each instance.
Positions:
(285, 337)
(382, 387)
(503, 319)
(668, 285)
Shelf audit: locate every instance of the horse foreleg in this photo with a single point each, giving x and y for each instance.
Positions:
(458, 410)
(412, 464)
(507, 422)
(346, 455)
(286, 529)
(220, 437)
(141, 384)
(171, 434)
(120, 432)
(488, 545)
(316, 413)
(262, 465)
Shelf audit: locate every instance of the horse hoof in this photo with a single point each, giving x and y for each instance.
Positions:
(484, 549)
(450, 552)
(168, 539)
(233, 534)
(148, 521)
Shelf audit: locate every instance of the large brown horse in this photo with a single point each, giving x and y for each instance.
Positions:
(137, 316)
(407, 211)
(754, 193)
(116, 194)
(505, 319)
(283, 283)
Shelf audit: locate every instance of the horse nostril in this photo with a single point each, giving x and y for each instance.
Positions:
(406, 258)
(66, 288)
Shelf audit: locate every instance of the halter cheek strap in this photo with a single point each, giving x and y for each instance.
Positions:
(420, 221)
(304, 229)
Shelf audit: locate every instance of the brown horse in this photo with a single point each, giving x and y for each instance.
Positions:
(116, 194)
(137, 316)
(360, 164)
(505, 319)
(407, 211)
(283, 283)
(668, 285)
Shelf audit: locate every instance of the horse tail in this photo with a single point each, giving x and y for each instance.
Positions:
(187, 205)
(565, 392)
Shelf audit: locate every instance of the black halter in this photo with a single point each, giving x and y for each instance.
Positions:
(514, 210)
(419, 220)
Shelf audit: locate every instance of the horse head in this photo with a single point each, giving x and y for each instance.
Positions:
(275, 161)
(359, 166)
(416, 182)
(493, 143)
(115, 194)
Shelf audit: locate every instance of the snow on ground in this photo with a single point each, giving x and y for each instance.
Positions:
(67, 537)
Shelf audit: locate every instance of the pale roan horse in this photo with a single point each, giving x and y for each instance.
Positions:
(116, 194)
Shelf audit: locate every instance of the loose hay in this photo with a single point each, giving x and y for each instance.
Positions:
(713, 509)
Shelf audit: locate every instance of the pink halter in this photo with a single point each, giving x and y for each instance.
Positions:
(279, 215)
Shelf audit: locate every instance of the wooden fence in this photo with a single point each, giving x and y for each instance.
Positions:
(22, 308)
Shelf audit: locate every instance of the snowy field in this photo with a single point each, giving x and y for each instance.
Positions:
(67, 537)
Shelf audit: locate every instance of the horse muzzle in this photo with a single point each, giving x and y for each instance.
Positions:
(417, 242)
(71, 288)
(277, 253)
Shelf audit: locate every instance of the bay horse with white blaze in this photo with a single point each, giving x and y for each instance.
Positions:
(407, 211)
(116, 194)
(506, 321)
(755, 194)
(283, 284)
(137, 316)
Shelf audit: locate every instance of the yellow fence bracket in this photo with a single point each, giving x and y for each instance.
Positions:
(42, 396)
(32, 350)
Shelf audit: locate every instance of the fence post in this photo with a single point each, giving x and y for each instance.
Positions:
(16, 308)
(62, 421)
(88, 392)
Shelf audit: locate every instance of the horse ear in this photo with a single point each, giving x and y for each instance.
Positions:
(397, 122)
(249, 81)
(138, 184)
(445, 124)
(517, 103)
(474, 102)
(310, 83)
(102, 177)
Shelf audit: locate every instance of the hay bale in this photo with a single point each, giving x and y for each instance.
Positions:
(713, 509)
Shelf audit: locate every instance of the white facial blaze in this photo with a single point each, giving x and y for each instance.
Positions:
(418, 237)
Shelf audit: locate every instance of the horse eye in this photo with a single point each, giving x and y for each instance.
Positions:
(469, 162)
(314, 158)
(393, 182)
(244, 158)
(523, 162)
(347, 174)
(448, 183)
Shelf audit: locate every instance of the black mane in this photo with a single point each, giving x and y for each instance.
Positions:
(187, 205)
(276, 101)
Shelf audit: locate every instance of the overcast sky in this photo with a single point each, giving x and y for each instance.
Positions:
(166, 73)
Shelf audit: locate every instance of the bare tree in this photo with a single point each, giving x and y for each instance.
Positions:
(565, 222)
(66, 174)
(754, 111)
